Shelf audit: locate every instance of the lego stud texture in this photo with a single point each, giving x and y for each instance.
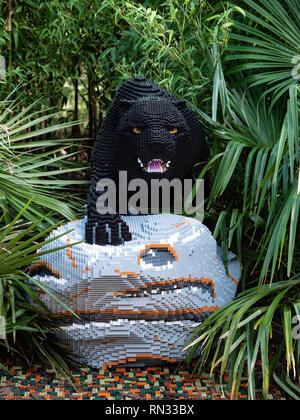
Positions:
(148, 133)
(138, 283)
(137, 302)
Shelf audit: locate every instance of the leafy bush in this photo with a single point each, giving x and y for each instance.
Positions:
(238, 338)
(28, 331)
(237, 65)
(35, 175)
(32, 168)
(268, 45)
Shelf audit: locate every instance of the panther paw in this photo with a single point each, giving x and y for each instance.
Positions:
(108, 232)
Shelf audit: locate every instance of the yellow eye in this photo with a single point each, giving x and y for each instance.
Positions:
(174, 131)
(137, 131)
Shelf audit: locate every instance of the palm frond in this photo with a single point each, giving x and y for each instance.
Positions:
(37, 170)
(248, 331)
(268, 47)
(26, 325)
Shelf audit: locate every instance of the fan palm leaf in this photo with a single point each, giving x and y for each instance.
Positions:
(240, 334)
(263, 144)
(267, 45)
(37, 170)
(26, 329)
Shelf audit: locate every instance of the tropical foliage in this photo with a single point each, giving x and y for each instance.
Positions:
(239, 338)
(26, 328)
(237, 64)
(36, 172)
(33, 168)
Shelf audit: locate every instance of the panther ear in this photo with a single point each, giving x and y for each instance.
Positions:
(125, 104)
(180, 105)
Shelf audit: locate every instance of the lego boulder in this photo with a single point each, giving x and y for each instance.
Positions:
(138, 301)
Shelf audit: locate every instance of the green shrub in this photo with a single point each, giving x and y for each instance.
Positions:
(32, 168)
(237, 65)
(27, 330)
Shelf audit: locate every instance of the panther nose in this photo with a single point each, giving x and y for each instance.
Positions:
(156, 149)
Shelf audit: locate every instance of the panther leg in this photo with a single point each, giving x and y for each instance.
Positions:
(89, 233)
(125, 233)
(107, 230)
(95, 232)
(115, 227)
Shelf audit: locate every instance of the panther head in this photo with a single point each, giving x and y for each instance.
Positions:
(155, 139)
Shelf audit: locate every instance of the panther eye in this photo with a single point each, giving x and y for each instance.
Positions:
(137, 131)
(174, 131)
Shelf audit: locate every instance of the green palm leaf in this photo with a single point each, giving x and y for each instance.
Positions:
(35, 170)
(28, 328)
(268, 47)
(242, 333)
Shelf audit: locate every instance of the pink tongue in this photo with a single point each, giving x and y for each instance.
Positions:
(154, 166)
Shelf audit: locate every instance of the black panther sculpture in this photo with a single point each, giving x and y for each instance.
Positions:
(150, 134)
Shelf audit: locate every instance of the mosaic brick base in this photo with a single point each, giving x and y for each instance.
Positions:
(136, 301)
(152, 383)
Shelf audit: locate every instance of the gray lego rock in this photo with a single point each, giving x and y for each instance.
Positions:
(138, 301)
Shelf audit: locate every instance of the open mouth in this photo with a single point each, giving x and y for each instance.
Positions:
(155, 166)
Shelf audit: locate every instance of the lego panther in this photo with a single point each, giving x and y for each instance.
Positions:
(150, 134)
